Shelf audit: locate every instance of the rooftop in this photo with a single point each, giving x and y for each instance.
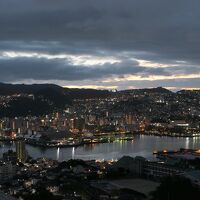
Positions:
(5, 197)
(139, 185)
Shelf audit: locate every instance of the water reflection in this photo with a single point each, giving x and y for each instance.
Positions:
(58, 153)
(195, 141)
(73, 153)
(89, 147)
(140, 146)
(187, 142)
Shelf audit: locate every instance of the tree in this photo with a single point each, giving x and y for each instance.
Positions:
(42, 194)
(174, 188)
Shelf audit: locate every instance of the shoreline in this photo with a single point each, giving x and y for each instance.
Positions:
(82, 143)
(168, 135)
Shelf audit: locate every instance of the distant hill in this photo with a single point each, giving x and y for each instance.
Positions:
(10, 89)
(188, 92)
(47, 97)
(158, 90)
(87, 93)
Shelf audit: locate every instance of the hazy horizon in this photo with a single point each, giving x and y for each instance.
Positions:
(102, 88)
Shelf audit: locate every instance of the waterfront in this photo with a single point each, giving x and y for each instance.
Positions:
(142, 145)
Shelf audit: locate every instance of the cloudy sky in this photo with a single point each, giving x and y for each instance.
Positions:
(113, 44)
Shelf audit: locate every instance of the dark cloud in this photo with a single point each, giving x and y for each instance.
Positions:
(16, 69)
(155, 30)
(45, 69)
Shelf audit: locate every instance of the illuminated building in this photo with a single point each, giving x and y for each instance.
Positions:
(21, 151)
(129, 119)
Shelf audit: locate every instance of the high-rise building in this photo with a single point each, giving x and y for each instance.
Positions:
(21, 151)
(129, 119)
(7, 171)
(10, 156)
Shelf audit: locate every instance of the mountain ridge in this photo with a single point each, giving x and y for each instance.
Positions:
(49, 97)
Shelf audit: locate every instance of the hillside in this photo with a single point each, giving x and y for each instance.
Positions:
(45, 98)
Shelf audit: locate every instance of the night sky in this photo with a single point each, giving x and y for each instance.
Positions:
(111, 44)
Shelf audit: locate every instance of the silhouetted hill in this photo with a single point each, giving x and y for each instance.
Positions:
(10, 89)
(88, 93)
(46, 98)
(50, 90)
(159, 90)
(25, 106)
